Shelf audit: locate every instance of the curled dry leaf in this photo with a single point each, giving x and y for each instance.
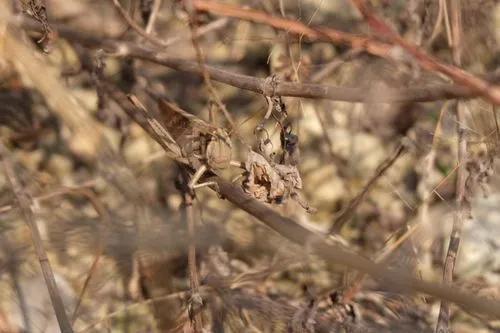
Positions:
(262, 181)
(272, 183)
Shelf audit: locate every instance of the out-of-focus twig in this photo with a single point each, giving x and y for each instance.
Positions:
(86, 133)
(178, 295)
(58, 192)
(462, 208)
(195, 302)
(348, 212)
(262, 86)
(200, 57)
(105, 218)
(458, 75)
(373, 46)
(152, 17)
(24, 202)
(131, 23)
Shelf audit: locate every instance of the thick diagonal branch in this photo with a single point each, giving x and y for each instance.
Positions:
(319, 245)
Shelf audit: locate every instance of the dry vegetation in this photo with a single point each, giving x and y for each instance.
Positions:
(249, 166)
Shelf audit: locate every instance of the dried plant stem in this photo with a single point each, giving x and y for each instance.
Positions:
(381, 256)
(462, 210)
(196, 301)
(427, 193)
(490, 92)
(454, 72)
(152, 17)
(12, 267)
(458, 220)
(131, 23)
(262, 86)
(349, 211)
(105, 218)
(24, 203)
(318, 244)
(201, 62)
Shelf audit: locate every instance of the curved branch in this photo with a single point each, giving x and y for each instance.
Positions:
(370, 45)
(262, 86)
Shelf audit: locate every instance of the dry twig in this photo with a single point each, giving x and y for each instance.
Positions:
(462, 207)
(24, 202)
(195, 301)
(459, 76)
(263, 86)
(317, 244)
(348, 212)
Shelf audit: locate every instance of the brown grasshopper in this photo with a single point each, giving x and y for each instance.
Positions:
(207, 147)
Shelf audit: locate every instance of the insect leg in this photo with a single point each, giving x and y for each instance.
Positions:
(193, 184)
(237, 164)
(196, 177)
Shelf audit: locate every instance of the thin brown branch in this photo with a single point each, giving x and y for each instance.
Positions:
(372, 46)
(200, 57)
(262, 86)
(459, 217)
(348, 212)
(152, 17)
(131, 23)
(317, 244)
(295, 27)
(23, 201)
(105, 218)
(462, 209)
(195, 302)
(458, 75)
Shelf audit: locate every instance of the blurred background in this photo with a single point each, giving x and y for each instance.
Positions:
(110, 206)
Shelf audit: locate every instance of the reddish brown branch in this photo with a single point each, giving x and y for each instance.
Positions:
(370, 45)
(251, 83)
(295, 27)
(458, 75)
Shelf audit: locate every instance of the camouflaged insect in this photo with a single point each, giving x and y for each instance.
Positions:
(204, 145)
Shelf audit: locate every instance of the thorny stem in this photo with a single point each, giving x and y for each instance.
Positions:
(24, 203)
